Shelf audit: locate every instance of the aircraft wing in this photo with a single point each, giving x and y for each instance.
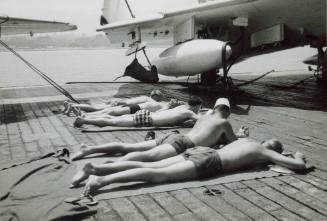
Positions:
(161, 25)
(16, 26)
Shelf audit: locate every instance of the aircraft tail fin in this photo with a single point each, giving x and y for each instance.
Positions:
(114, 10)
(118, 10)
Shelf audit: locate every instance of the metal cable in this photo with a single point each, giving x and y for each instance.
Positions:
(40, 73)
(129, 8)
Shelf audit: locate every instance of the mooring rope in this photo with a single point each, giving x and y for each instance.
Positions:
(40, 73)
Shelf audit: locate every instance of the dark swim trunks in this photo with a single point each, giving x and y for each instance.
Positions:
(179, 141)
(133, 108)
(206, 160)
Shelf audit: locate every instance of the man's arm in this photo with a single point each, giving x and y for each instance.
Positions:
(166, 107)
(229, 133)
(191, 121)
(296, 163)
(135, 100)
(110, 100)
(208, 112)
(231, 136)
(194, 117)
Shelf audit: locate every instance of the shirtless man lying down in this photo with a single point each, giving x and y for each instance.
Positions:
(145, 118)
(196, 163)
(152, 106)
(155, 95)
(210, 130)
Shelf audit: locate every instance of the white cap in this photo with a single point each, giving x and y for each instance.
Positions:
(222, 101)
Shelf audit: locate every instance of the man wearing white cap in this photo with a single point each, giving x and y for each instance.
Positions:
(210, 130)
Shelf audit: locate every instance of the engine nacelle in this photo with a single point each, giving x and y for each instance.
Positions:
(191, 58)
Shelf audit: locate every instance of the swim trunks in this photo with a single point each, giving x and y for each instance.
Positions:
(179, 141)
(142, 118)
(206, 160)
(133, 108)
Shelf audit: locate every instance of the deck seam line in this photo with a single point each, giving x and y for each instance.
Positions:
(293, 198)
(302, 190)
(207, 187)
(297, 214)
(249, 201)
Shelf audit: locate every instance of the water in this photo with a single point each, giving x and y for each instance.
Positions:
(106, 64)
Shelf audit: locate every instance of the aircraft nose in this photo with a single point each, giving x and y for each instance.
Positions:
(228, 52)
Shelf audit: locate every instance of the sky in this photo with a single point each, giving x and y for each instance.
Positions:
(83, 13)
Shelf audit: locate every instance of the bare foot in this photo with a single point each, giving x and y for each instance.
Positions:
(81, 153)
(94, 183)
(65, 106)
(76, 111)
(69, 109)
(83, 174)
(78, 122)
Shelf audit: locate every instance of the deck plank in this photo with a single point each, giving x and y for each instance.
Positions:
(267, 205)
(149, 208)
(175, 208)
(320, 173)
(242, 204)
(220, 205)
(298, 119)
(285, 200)
(305, 187)
(197, 207)
(298, 195)
(315, 181)
(126, 209)
(106, 213)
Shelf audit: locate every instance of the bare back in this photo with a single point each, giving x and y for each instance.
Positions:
(208, 131)
(173, 116)
(152, 106)
(137, 100)
(241, 153)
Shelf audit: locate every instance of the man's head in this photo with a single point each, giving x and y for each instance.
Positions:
(156, 95)
(195, 103)
(222, 106)
(273, 144)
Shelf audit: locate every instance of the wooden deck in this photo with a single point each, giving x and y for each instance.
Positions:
(30, 124)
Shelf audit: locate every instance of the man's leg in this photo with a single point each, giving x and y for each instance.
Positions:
(157, 153)
(122, 121)
(95, 113)
(114, 148)
(106, 169)
(66, 104)
(87, 107)
(119, 111)
(95, 116)
(184, 170)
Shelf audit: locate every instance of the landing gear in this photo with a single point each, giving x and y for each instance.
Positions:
(322, 66)
(227, 81)
(209, 78)
(321, 71)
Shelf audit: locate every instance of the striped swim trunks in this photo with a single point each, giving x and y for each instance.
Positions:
(142, 118)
